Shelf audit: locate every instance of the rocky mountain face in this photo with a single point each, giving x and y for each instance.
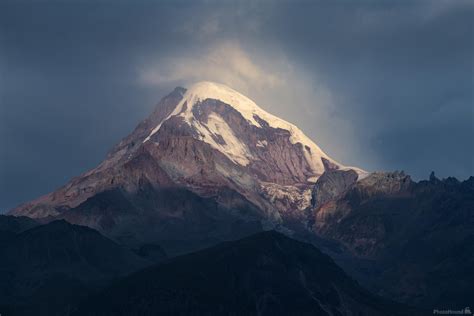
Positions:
(331, 215)
(417, 237)
(206, 155)
(332, 184)
(265, 274)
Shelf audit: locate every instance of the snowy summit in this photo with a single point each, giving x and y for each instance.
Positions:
(232, 147)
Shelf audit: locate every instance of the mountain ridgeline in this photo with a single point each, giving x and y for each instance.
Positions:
(264, 274)
(209, 166)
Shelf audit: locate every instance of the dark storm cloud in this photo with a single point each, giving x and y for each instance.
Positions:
(404, 71)
(399, 73)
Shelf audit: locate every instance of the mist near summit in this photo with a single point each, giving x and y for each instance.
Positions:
(272, 81)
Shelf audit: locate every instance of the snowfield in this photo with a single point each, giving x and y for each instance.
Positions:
(235, 149)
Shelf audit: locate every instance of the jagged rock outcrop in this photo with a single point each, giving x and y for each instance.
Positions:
(332, 184)
(376, 185)
(382, 184)
(415, 233)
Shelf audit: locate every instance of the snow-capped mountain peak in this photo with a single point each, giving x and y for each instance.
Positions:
(206, 143)
(215, 126)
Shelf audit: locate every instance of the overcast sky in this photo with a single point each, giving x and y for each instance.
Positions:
(383, 85)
